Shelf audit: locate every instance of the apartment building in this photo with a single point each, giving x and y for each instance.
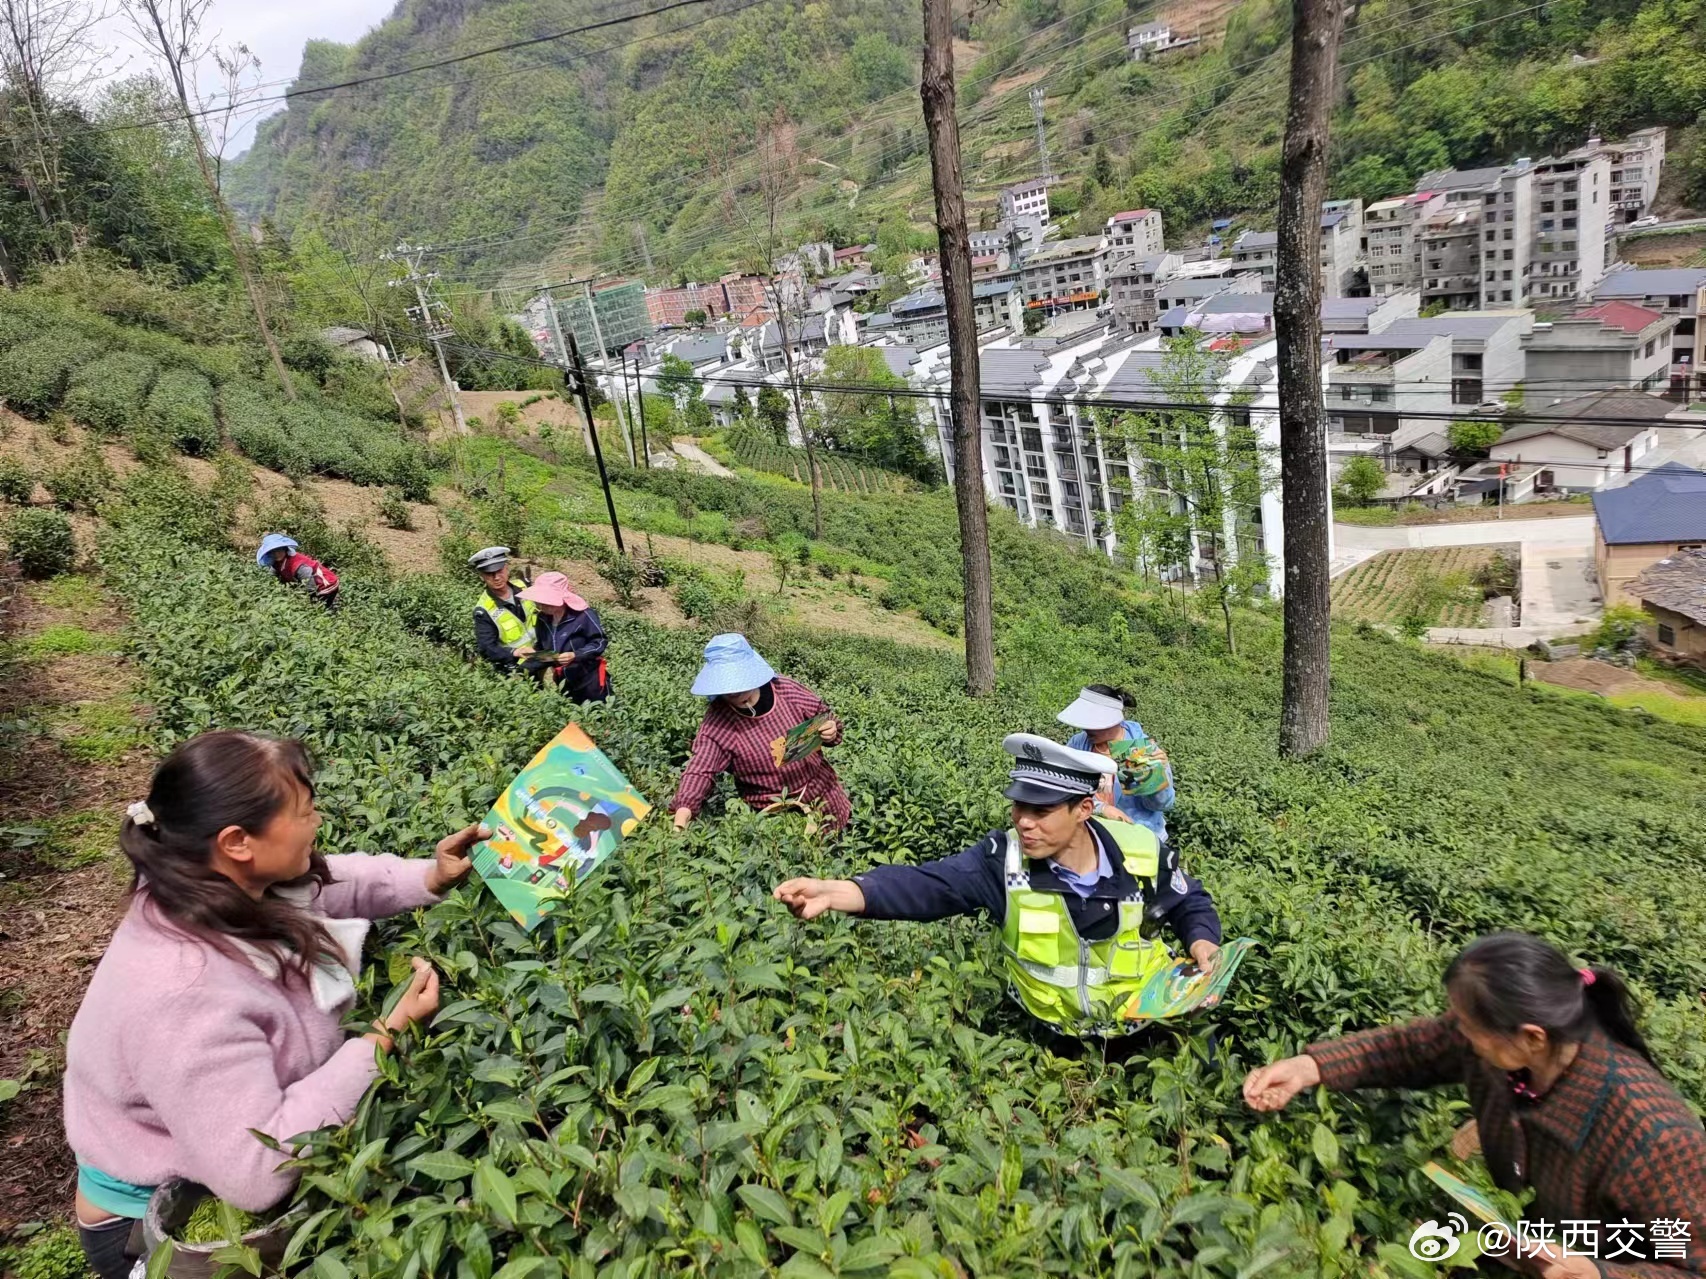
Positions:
(1636, 164)
(1612, 343)
(1131, 286)
(998, 304)
(1065, 275)
(1134, 233)
(1390, 230)
(1572, 208)
(1025, 202)
(1044, 458)
(1680, 292)
(1257, 251)
(1342, 263)
(1487, 355)
(1194, 281)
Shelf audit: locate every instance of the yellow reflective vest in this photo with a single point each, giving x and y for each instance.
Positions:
(1080, 987)
(512, 630)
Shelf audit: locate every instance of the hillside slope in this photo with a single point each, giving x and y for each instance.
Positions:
(654, 120)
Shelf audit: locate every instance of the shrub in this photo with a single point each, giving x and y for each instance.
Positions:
(180, 408)
(625, 574)
(1361, 480)
(394, 511)
(1619, 625)
(17, 481)
(81, 482)
(34, 375)
(41, 542)
(54, 1253)
(108, 395)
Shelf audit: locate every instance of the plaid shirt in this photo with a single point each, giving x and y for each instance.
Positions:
(729, 742)
(1610, 1143)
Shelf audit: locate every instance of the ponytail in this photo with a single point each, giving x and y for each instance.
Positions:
(1509, 980)
(1107, 690)
(211, 782)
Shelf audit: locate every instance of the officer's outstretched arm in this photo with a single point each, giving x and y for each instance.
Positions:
(809, 898)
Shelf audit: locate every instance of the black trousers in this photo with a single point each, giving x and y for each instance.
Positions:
(111, 1247)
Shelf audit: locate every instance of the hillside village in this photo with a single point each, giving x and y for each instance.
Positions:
(545, 733)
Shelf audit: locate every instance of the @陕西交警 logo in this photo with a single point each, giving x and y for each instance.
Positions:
(1431, 1241)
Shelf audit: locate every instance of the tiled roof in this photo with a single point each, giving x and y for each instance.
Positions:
(1634, 283)
(1677, 583)
(1666, 505)
(1131, 215)
(1008, 371)
(1620, 315)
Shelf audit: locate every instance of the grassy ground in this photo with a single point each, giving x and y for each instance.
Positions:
(1432, 585)
(1415, 513)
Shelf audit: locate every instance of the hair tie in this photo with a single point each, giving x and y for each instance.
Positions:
(141, 814)
(1587, 976)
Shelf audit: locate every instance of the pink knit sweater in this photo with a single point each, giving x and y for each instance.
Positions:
(179, 1050)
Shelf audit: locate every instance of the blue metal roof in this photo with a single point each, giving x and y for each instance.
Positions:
(1666, 505)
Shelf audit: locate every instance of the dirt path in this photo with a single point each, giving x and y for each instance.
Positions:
(1596, 677)
(69, 763)
(699, 459)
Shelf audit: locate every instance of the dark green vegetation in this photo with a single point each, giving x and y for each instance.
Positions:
(674, 1076)
(164, 393)
(664, 123)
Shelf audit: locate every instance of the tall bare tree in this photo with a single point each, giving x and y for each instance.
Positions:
(775, 173)
(937, 90)
(1317, 26)
(47, 47)
(171, 30)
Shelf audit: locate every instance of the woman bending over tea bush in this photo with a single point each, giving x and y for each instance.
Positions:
(217, 1006)
(1566, 1097)
(1141, 787)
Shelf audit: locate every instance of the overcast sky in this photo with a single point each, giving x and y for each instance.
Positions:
(275, 30)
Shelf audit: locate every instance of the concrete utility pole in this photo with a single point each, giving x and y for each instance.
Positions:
(604, 354)
(1316, 28)
(425, 312)
(563, 354)
(937, 91)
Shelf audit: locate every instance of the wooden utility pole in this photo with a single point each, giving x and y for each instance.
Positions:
(937, 90)
(1316, 28)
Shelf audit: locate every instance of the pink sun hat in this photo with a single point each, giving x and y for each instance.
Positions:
(553, 588)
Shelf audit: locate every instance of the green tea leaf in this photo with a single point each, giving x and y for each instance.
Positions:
(442, 1165)
(493, 1189)
(765, 1203)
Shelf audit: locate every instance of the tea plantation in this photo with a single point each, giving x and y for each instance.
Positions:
(673, 1077)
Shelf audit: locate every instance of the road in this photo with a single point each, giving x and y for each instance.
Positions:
(1560, 593)
(1679, 224)
(699, 459)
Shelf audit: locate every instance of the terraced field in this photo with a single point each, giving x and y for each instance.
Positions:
(1435, 586)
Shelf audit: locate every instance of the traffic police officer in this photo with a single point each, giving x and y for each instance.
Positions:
(1078, 901)
(503, 621)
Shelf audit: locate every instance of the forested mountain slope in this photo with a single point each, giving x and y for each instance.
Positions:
(654, 120)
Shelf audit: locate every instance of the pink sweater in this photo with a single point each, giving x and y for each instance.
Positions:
(179, 1050)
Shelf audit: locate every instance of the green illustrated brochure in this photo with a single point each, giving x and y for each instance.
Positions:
(557, 822)
(1181, 987)
(1471, 1198)
(800, 740)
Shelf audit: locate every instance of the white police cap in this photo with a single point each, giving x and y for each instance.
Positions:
(489, 559)
(1046, 773)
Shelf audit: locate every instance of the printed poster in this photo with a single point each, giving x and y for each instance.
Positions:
(1470, 1197)
(800, 740)
(557, 822)
(1181, 987)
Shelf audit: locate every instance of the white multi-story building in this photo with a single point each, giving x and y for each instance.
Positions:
(1636, 164)
(1394, 255)
(1341, 249)
(1025, 202)
(1064, 275)
(1572, 212)
(1131, 287)
(1679, 291)
(1134, 233)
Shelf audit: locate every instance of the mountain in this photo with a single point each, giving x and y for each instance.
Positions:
(618, 150)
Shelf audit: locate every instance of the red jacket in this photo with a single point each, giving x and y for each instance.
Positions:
(324, 579)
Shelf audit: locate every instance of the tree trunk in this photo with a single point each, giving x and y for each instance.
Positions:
(1317, 26)
(937, 91)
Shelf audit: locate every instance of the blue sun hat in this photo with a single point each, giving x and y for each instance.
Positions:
(273, 542)
(731, 666)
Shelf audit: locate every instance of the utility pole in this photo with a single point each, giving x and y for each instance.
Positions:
(1316, 28)
(604, 354)
(426, 313)
(640, 399)
(937, 91)
(563, 355)
(578, 371)
(1042, 133)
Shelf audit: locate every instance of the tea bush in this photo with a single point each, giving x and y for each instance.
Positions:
(315, 439)
(81, 482)
(180, 408)
(34, 374)
(42, 542)
(108, 395)
(17, 481)
(672, 1076)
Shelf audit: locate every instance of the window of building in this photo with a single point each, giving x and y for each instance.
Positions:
(1507, 275)
(1492, 236)
(1569, 206)
(1508, 234)
(1507, 256)
(1667, 635)
(1569, 224)
(1547, 205)
(1493, 199)
(1571, 185)
(1569, 246)
(1647, 351)
(1504, 295)
(1382, 395)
